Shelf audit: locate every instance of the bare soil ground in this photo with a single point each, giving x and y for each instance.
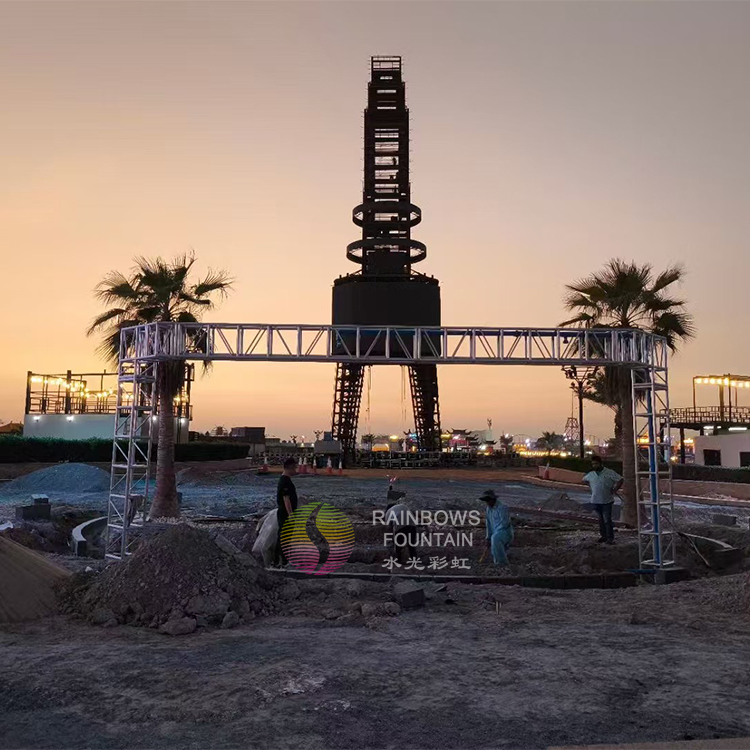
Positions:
(478, 667)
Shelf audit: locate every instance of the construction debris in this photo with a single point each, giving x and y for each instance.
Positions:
(177, 581)
(27, 583)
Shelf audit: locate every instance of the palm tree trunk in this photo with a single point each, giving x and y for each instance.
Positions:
(165, 498)
(630, 511)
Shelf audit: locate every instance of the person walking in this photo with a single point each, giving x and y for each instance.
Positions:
(286, 503)
(604, 483)
(499, 527)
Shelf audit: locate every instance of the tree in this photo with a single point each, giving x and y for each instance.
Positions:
(549, 441)
(157, 290)
(368, 440)
(626, 295)
(602, 389)
(506, 443)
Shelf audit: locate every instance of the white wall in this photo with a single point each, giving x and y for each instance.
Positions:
(730, 446)
(80, 426)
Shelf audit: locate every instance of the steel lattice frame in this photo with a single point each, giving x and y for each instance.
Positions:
(653, 464)
(143, 347)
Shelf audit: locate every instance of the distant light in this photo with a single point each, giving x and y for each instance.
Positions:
(394, 437)
(737, 429)
(708, 427)
(712, 381)
(726, 381)
(36, 419)
(70, 419)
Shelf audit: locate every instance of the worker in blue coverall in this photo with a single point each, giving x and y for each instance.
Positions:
(499, 527)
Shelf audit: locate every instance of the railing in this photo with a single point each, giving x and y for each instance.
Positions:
(710, 415)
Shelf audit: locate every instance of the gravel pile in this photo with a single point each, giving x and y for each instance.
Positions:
(561, 501)
(180, 580)
(61, 478)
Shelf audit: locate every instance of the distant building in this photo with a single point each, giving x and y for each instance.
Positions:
(81, 406)
(254, 436)
(11, 428)
(730, 450)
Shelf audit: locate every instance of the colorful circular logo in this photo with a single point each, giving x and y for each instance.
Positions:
(317, 538)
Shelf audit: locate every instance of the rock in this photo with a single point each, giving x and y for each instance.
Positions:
(100, 616)
(177, 613)
(408, 595)
(349, 617)
(289, 591)
(354, 589)
(201, 621)
(256, 606)
(215, 605)
(230, 620)
(110, 623)
(392, 609)
(331, 614)
(372, 609)
(182, 626)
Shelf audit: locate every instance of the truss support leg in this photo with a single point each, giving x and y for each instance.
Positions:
(424, 395)
(653, 466)
(346, 401)
(131, 455)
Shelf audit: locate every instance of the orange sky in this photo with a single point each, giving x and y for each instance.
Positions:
(546, 138)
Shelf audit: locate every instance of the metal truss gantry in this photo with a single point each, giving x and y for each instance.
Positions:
(131, 452)
(144, 347)
(653, 464)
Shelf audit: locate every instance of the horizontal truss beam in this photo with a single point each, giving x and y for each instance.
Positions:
(370, 345)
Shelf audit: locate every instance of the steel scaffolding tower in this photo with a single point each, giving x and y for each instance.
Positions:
(386, 291)
(653, 465)
(131, 450)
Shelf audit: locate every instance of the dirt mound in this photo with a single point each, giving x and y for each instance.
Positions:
(561, 501)
(27, 583)
(62, 478)
(725, 594)
(181, 579)
(195, 476)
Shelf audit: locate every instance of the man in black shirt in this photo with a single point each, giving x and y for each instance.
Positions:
(286, 502)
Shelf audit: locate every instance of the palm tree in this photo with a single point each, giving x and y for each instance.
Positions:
(157, 291)
(626, 295)
(506, 441)
(601, 389)
(549, 441)
(368, 440)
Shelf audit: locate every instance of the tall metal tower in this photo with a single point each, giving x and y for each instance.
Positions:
(385, 290)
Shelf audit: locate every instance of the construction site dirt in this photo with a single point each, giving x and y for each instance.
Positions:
(263, 660)
(478, 666)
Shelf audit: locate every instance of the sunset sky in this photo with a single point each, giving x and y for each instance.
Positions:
(546, 138)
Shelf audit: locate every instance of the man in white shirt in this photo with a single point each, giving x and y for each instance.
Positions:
(604, 483)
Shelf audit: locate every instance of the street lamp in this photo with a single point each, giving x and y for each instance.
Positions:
(580, 379)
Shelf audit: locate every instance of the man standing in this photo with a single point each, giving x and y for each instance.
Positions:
(286, 502)
(499, 527)
(604, 483)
